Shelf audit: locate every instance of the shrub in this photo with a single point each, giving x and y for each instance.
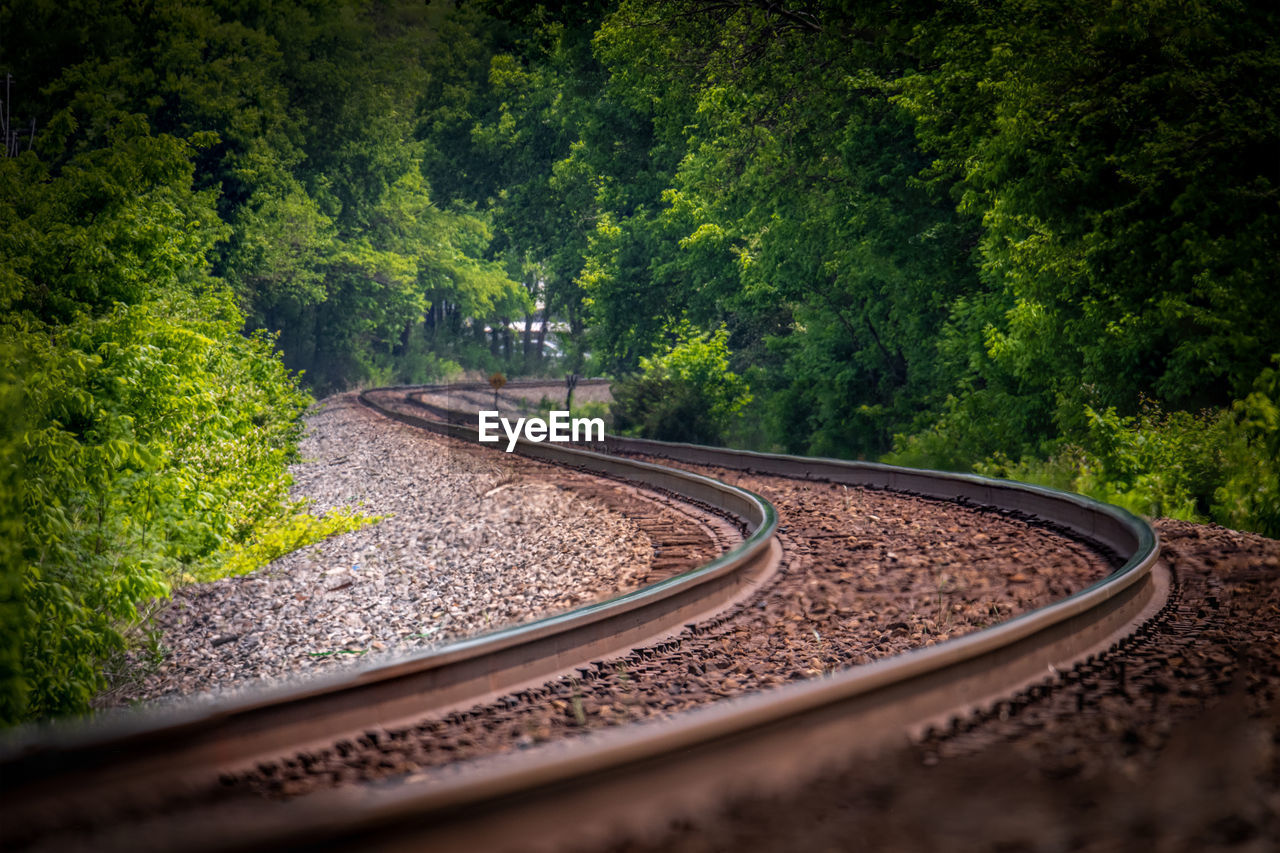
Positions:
(1218, 465)
(686, 394)
(1249, 497)
(1157, 463)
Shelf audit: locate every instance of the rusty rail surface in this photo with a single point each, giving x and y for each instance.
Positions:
(587, 790)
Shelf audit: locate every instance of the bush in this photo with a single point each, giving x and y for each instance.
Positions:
(1156, 464)
(150, 434)
(1249, 497)
(686, 394)
(1218, 465)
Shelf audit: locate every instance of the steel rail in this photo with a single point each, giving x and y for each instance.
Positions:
(44, 770)
(630, 779)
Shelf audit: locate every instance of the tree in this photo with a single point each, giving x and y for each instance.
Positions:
(1121, 161)
(795, 215)
(153, 435)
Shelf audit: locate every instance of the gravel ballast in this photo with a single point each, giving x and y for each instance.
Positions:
(866, 575)
(474, 541)
(1169, 743)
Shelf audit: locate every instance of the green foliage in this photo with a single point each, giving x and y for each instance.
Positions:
(553, 149)
(291, 529)
(1219, 466)
(306, 123)
(977, 425)
(1157, 464)
(152, 432)
(1121, 166)
(13, 628)
(687, 393)
(1249, 497)
(591, 409)
(955, 231)
(793, 215)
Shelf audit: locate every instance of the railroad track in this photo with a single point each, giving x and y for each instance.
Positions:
(624, 776)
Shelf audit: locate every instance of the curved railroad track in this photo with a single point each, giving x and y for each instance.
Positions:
(621, 777)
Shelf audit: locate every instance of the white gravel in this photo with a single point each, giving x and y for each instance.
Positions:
(476, 541)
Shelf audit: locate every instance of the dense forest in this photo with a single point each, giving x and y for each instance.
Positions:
(1028, 238)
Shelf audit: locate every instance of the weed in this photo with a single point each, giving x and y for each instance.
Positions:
(295, 529)
(337, 652)
(503, 475)
(825, 655)
(579, 714)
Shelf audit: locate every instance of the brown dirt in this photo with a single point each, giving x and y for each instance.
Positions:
(1167, 743)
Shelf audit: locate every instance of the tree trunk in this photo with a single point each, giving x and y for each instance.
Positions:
(542, 334)
(571, 381)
